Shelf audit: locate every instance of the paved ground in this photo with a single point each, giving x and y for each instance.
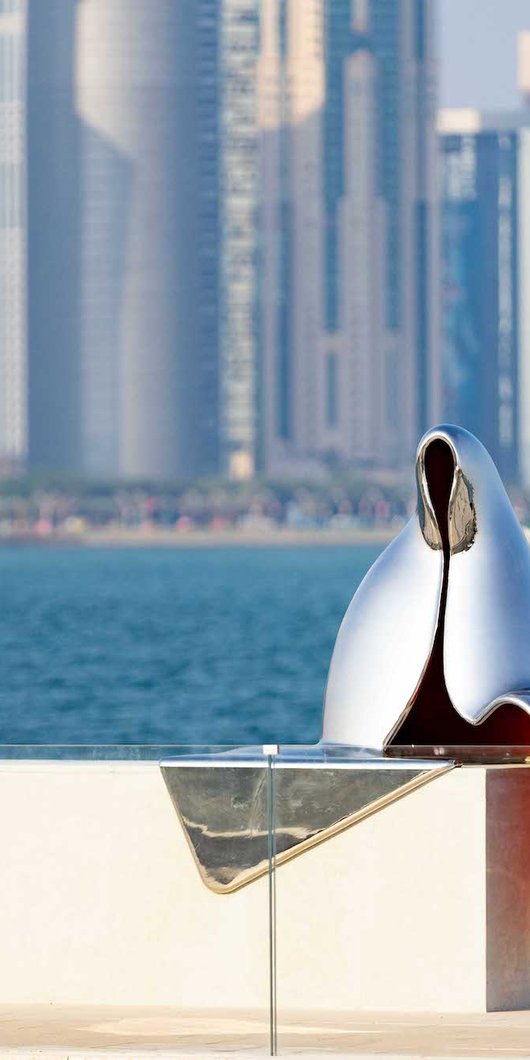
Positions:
(46, 1032)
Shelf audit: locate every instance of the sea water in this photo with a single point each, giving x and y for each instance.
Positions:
(186, 645)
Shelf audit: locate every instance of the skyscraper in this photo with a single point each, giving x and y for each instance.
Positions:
(114, 255)
(480, 304)
(523, 304)
(132, 64)
(53, 224)
(523, 258)
(350, 308)
(239, 44)
(485, 164)
(12, 235)
(291, 96)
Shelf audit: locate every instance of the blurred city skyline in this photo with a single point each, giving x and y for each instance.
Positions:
(272, 237)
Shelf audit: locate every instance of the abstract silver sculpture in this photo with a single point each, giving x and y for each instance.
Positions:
(435, 645)
(434, 652)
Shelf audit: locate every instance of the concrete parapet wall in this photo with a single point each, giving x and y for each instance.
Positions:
(101, 903)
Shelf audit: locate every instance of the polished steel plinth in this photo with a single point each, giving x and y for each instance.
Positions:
(231, 805)
(420, 901)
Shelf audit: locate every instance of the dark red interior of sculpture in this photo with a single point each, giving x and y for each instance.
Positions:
(432, 719)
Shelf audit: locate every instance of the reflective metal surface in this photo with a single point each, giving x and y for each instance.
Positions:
(223, 804)
(440, 627)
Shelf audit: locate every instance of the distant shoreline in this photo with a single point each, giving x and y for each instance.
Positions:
(203, 538)
(190, 539)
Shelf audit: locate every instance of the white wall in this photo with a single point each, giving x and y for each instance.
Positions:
(101, 903)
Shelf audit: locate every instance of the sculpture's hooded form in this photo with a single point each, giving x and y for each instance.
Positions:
(435, 645)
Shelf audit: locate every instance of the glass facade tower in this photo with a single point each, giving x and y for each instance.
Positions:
(238, 197)
(480, 289)
(352, 360)
(12, 234)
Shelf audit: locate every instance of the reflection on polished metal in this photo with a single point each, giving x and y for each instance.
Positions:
(435, 645)
(432, 658)
(222, 802)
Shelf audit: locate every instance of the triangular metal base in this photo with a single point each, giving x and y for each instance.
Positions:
(228, 806)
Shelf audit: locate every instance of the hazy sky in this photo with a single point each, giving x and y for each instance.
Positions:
(478, 51)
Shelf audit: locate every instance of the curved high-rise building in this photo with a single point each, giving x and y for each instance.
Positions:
(112, 244)
(130, 56)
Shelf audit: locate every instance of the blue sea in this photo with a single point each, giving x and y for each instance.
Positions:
(175, 646)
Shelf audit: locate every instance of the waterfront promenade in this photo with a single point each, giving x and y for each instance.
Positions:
(93, 1033)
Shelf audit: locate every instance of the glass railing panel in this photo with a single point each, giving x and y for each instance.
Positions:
(147, 752)
(272, 755)
(402, 886)
(337, 816)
